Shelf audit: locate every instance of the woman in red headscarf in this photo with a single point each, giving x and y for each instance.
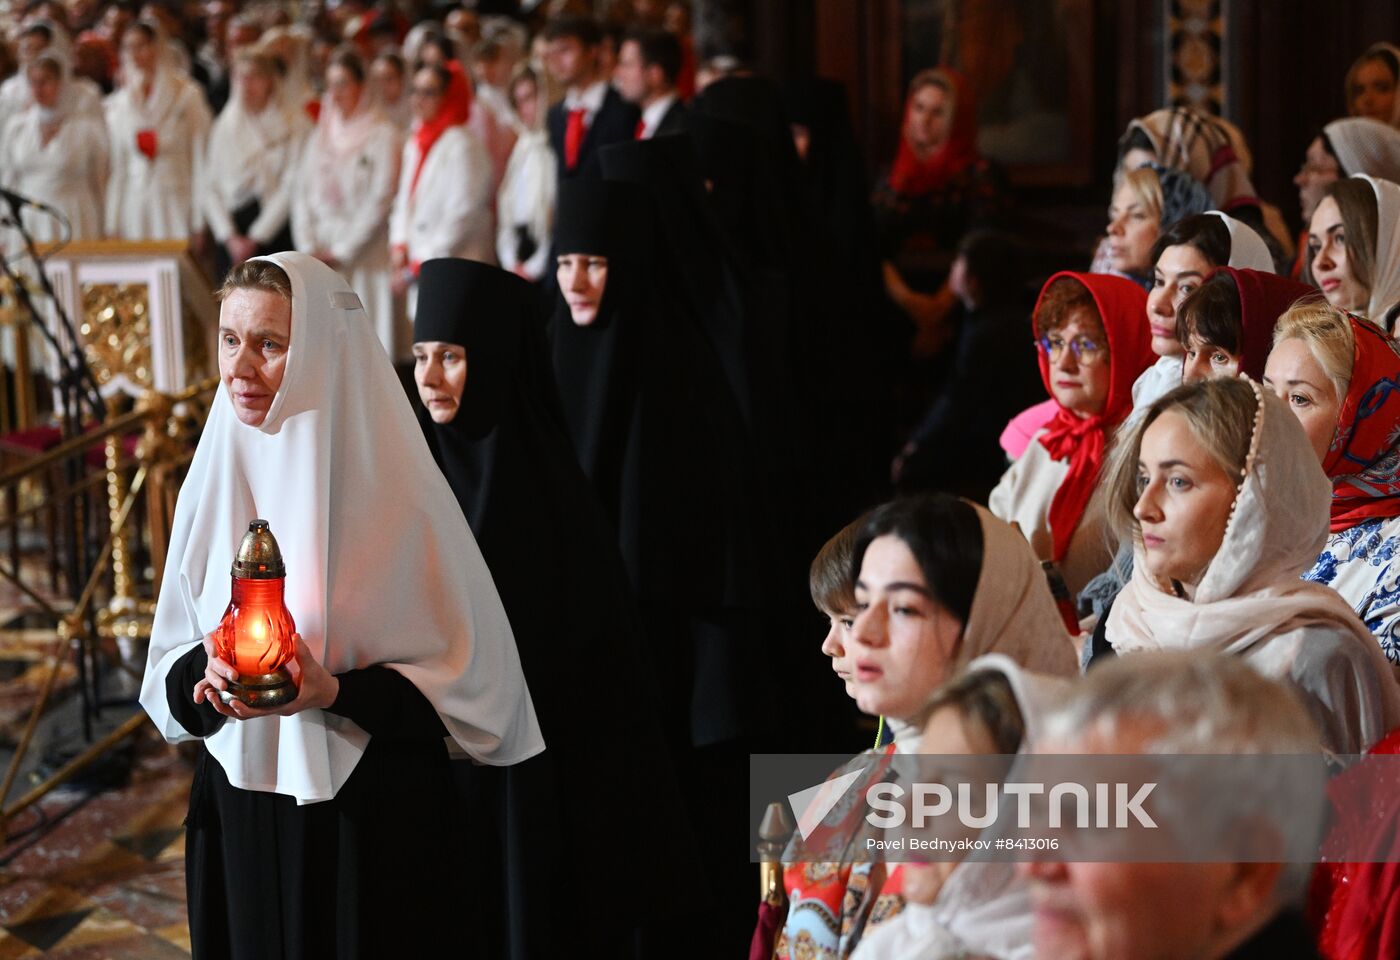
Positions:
(1092, 345)
(1355, 906)
(938, 188)
(1341, 377)
(1227, 323)
(444, 203)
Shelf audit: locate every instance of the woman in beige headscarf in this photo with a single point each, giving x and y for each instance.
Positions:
(939, 582)
(1220, 491)
(1211, 150)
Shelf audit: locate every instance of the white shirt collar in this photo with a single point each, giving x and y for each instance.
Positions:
(590, 100)
(652, 115)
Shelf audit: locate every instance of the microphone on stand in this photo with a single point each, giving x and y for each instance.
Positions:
(17, 200)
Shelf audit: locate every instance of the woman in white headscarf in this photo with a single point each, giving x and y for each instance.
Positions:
(1354, 249)
(976, 908)
(940, 582)
(1363, 145)
(1221, 493)
(525, 203)
(388, 82)
(340, 209)
(291, 48)
(159, 123)
(53, 154)
(1343, 148)
(327, 825)
(1183, 256)
(254, 150)
(45, 36)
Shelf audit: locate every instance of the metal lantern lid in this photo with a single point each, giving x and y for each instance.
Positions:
(259, 557)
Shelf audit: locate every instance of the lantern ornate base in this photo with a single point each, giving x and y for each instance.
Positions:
(264, 691)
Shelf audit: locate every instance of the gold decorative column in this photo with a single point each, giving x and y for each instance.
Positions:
(116, 335)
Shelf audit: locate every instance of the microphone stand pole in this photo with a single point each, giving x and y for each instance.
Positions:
(76, 387)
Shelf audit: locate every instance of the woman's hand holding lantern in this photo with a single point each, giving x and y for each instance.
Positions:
(317, 688)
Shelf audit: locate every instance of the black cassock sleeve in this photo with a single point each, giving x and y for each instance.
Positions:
(200, 719)
(386, 704)
(383, 702)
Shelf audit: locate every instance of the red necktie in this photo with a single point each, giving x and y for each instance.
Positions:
(573, 138)
(641, 129)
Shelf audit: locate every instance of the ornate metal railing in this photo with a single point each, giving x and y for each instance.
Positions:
(111, 600)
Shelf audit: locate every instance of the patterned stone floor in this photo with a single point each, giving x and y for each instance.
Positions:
(101, 875)
(95, 870)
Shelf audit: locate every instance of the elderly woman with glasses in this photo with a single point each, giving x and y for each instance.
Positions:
(1092, 345)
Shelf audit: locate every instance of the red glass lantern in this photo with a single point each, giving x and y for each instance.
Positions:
(256, 633)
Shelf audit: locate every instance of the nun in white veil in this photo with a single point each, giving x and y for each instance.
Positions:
(307, 824)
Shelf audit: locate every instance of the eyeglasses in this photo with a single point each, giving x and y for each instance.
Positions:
(1086, 351)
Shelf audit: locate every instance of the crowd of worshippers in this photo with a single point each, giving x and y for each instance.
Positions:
(666, 339)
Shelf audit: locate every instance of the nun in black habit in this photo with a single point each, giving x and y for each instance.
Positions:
(642, 395)
(557, 836)
(755, 180)
(661, 434)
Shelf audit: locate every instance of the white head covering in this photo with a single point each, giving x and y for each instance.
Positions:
(381, 565)
(1247, 248)
(414, 39)
(292, 47)
(983, 908)
(167, 80)
(245, 159)
(339, 140)
(66, 93)
(1385, 283)
(1363, 145)
(1251, 601)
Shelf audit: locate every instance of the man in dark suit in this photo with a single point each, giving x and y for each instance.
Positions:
(591, 115)
(647, 67)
